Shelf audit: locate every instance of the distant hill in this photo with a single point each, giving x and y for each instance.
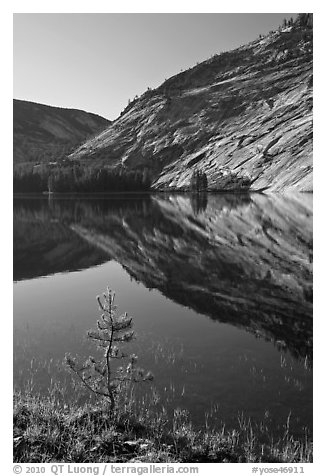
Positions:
(44, 133)
(242, 113)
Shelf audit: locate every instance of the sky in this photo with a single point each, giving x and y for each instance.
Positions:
(98, 61)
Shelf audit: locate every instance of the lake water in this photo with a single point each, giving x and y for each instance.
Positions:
(219, 287)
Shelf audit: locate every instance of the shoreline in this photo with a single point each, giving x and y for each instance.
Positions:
(45, 430)
(151, 192)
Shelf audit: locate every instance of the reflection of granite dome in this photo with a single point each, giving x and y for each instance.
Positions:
(241, 260)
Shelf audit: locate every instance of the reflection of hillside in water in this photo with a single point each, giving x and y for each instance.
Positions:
(243, 261)
(44, 242)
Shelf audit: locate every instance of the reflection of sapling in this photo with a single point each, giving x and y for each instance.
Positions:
(98, 376)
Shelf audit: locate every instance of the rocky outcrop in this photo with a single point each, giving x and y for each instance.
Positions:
(43, 133)
(242, 114)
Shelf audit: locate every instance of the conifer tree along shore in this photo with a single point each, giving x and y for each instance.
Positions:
(80, 180)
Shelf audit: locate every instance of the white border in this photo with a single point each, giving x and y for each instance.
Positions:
(319, 178)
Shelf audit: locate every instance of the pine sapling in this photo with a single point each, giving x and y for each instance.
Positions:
(112, 331)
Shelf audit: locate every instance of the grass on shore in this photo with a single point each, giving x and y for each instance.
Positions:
(47, 431)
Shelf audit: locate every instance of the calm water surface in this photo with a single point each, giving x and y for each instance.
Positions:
(220, 289)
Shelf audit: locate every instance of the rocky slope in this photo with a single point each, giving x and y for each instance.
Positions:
(42, 133)
(246, 113)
